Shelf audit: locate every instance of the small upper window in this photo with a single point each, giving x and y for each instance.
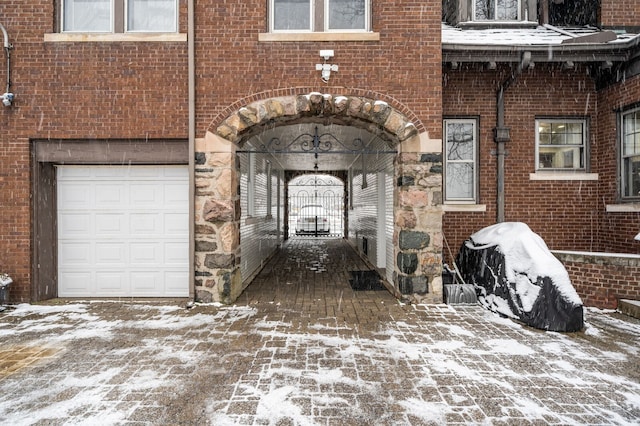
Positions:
(319, 15)
(630, 154)
(496, 10)
(560, 144)
(104, 16)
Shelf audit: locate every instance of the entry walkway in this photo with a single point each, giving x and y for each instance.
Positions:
(293, 353)
(311, 275)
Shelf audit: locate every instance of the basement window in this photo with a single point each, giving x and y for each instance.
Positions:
(119, 16)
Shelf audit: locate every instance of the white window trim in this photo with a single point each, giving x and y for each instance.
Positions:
(623, 208)
(470, 201)
(463, 208)
(113, 37)
(474, 19)
(562, 175)
(585, 138)
(176, 11)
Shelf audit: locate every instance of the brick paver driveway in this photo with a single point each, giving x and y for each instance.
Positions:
(301, 348)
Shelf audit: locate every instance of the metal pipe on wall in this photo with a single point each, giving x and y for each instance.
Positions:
(192, 137)
(501, 134)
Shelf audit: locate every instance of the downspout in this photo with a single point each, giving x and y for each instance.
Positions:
(7, 96)
(192, 138)
(501, 134)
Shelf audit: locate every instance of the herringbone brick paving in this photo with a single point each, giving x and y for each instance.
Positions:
(301, 348)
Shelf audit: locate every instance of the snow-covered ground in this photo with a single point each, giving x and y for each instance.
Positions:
(117, 363)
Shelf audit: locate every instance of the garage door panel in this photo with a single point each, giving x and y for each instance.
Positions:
(172, 281)
(175, 196)
(110, 283)
(74, 224)
(73, 196)
(110, 224)
(146, 194)
(110, 254)
(176, 253)
(131, 236)
(145, 253)
(110, 196)
(146, 283)
(74, 254)
(142, 224)
(175, 224)
(78, 284)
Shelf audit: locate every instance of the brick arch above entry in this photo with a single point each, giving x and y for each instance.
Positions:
(378, 115)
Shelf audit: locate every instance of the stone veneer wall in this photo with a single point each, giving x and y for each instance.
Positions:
(601, 279)
(418, 225)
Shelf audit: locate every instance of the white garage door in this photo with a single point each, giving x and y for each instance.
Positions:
(123, 231)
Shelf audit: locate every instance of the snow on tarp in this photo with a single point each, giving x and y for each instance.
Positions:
(516, 275)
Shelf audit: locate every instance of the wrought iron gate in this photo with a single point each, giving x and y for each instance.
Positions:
(316, 206)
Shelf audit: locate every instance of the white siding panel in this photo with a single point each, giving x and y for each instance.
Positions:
(364, 217)
(259, 232)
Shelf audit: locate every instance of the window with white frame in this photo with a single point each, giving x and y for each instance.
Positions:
(630, 154)
(561, 144)
(319, 15)
(496, 10)
(118, 16)
(460, 160)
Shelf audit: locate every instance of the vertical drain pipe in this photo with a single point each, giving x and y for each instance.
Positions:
(7, 97)
(192, 138)
(501, 134)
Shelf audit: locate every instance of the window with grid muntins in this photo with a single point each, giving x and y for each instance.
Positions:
(560, 144)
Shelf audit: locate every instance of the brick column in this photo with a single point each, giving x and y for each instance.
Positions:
(418, 220)
(217, 221)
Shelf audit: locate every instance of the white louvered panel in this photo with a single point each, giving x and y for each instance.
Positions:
(259, 235)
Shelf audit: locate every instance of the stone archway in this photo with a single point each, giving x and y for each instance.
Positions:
(417, 200)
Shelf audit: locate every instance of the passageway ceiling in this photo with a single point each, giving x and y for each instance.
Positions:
(333, 154)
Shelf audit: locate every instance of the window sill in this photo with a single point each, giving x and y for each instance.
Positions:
(623, 208)
(113, 37)
(492, 24)
(464, 208)
(319, 36)
(557, 175)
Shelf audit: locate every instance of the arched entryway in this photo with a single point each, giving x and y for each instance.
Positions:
(240, 184)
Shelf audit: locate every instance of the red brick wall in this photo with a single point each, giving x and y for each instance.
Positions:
(75, 90)
(620, 13)
(138, 90)
(618, 229)
(565, 213)
(405, 64)
(602, 280)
